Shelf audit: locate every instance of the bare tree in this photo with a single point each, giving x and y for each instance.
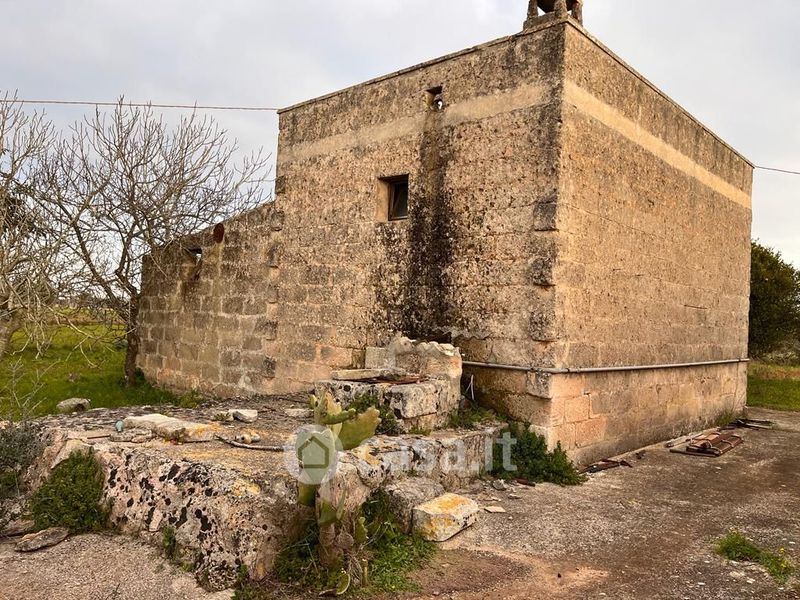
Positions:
(32, 268)
(129, 185)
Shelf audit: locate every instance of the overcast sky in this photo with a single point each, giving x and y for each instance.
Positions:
(734, 64)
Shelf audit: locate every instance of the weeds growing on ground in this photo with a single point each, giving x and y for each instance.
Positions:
(533, 461)
(735, 546)
(389, 553)
(169, 543)
(471, 416)
(76, 364)
(72, 496)
(393, 553)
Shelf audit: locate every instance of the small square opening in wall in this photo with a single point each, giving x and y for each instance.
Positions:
(434, 97)
(196, 253)
(394, 198)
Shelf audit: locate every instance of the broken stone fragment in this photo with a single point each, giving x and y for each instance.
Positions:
(73, 405)
(499, 485)
(42, 539)
(494, 509)
(405, 494)
(170, 428)
(441, 518)
(133, 436)
(244, 415)
(17, 528)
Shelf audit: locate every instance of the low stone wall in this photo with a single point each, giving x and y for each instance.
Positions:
(228, 506)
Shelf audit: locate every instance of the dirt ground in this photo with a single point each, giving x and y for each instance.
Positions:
(643, 532)
(95, 567)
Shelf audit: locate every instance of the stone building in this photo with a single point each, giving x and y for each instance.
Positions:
(535, 201)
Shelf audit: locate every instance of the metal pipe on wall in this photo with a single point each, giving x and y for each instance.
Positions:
(568, 371)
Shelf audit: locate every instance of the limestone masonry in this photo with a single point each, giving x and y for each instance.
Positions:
(533, 201)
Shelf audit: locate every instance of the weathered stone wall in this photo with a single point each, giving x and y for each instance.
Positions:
(210, 325)
(654, 264)
(473, 262)
(599, 415)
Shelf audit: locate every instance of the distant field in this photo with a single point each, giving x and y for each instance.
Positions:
(774, 386)
(73, 366)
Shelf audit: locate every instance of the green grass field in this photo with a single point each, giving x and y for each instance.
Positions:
(75, 365)
(773, 386)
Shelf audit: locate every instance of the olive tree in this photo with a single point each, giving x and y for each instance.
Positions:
(128, 185)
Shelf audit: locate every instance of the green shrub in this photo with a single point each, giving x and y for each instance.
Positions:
(389, 553)
(736, 546)
(393, 553)
(533, 461)
(19, 449)
(169, 543)
(389, 424)
(72, 496)
(299, 564)
(471, 416)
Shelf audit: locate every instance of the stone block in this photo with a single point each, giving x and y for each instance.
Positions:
(540, 384)
(441, 518)
(365, 374)
(73, 405)
(545, 215)
(590, 432)
(244, 415)
(335, 356)
(576, 409)
(174, 429)
(347, 391)
(375, 358)
(404, 495)
(414, 400)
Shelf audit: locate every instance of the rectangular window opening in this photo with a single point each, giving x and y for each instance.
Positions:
(397, 197)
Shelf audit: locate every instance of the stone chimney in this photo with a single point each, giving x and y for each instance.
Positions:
(560, 7)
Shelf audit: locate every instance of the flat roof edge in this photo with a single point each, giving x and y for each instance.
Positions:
(548, 21)
(655, 88)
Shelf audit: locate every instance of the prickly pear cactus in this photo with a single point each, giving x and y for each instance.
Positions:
(359, 428)
(348, 426)
(339, 533)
